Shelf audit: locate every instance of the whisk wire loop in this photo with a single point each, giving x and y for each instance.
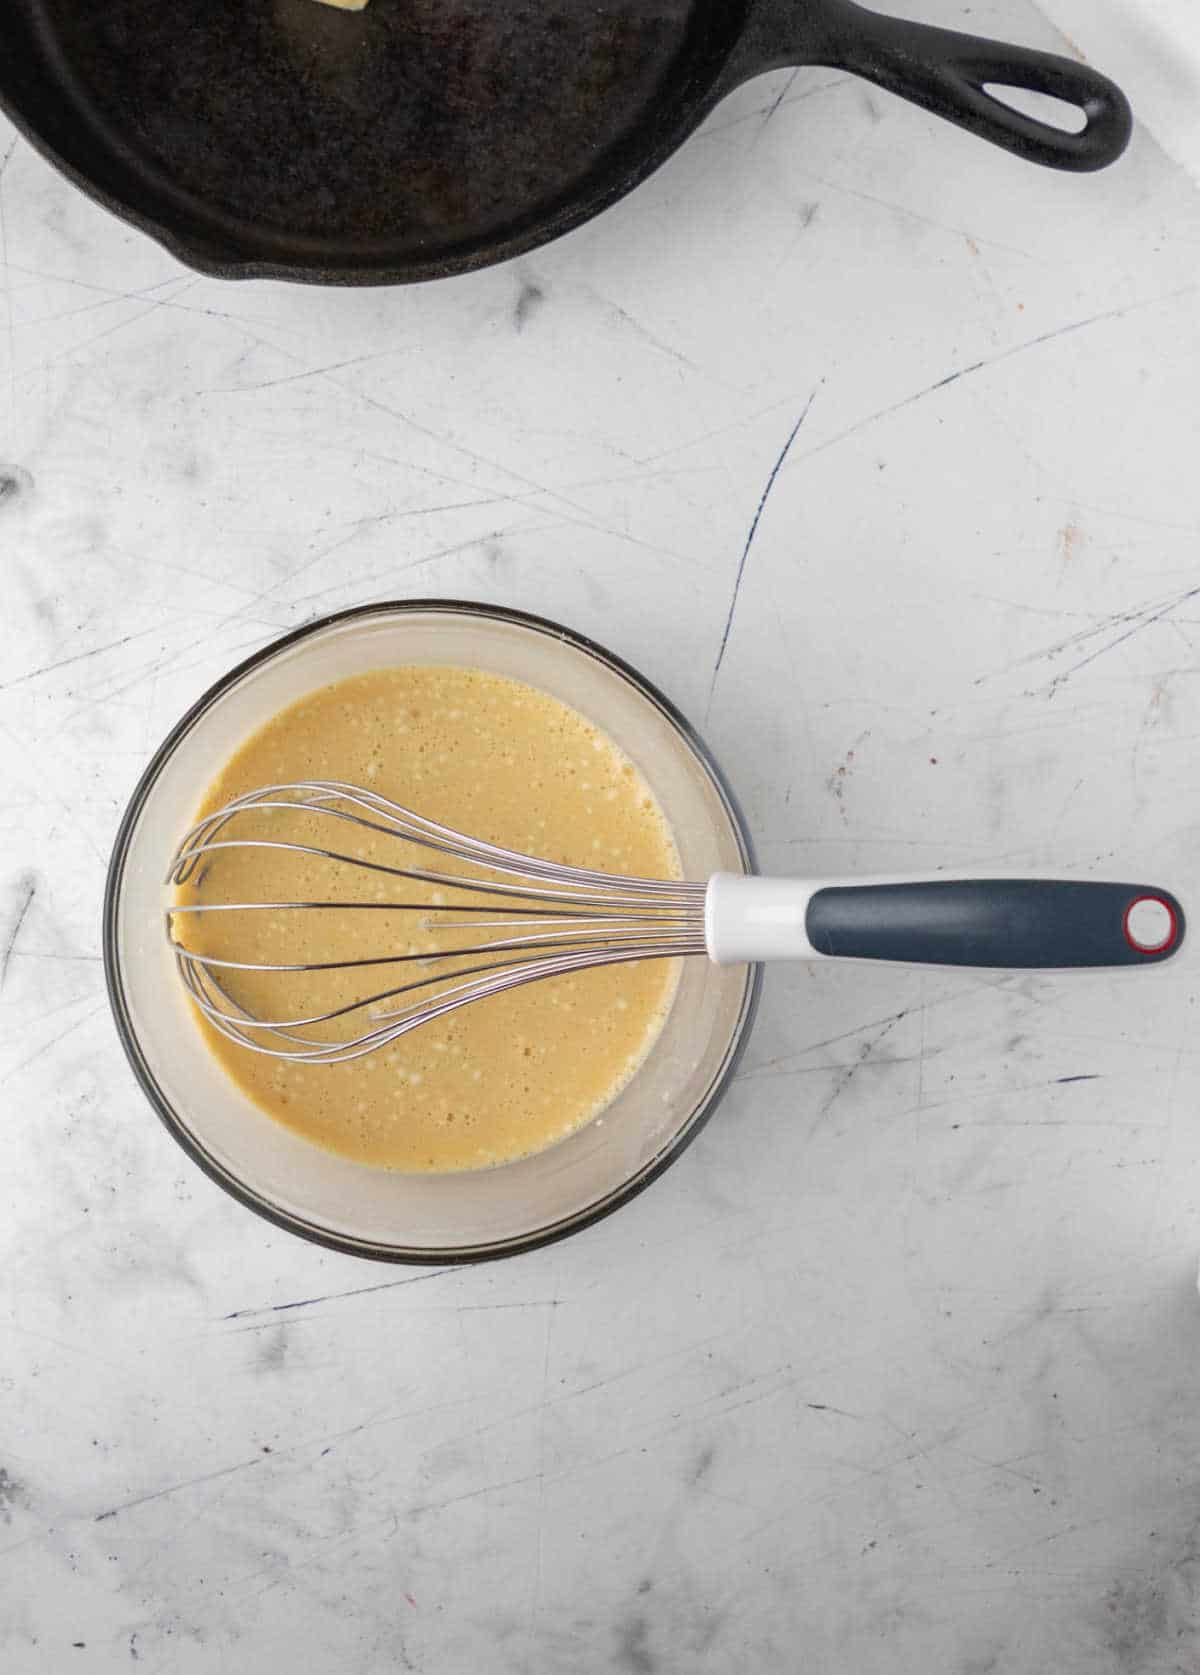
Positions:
(570, 919)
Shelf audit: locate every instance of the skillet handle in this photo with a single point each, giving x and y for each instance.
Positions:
(949, 74)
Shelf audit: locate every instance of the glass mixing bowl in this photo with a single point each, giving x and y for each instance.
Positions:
(351, 1206)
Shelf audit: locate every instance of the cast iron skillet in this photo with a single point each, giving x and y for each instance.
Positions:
(426, 137)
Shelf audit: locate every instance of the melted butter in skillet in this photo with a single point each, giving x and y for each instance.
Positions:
(499, 760)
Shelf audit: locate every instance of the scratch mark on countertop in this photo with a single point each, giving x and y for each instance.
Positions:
(449, 442)
(363, 584)
(336, 1296)
(537, 1596)
(712, 129)
(226, 317)
(152, 306)
(644, 332)
(420, 1508)
(753, 531)
(275, 1455)
(779, 99)
(704, 436)
(775, 1069)
(310, 372)
(784, 1061)
(178, 1488)
(53, 1042)
(58, 959)
(986, 364)
(79, 657)
(846, 1074)
(109, 300)
(1130, 623)
(26, 890)
(1146, 621)
(914, 215)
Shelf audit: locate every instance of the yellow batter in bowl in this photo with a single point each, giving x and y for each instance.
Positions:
(501, 760)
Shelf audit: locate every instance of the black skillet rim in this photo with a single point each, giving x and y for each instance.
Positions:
(162, 1107)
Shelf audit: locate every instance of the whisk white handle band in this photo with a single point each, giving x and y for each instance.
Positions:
(751, 919)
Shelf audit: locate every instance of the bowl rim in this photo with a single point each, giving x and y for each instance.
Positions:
(347, 1244)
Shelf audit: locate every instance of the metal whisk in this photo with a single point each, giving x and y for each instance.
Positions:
(558, 919)
(544, 920)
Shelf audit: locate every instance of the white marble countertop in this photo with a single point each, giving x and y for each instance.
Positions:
(898, 1370)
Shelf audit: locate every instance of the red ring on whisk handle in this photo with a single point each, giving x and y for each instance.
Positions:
(1160, 945)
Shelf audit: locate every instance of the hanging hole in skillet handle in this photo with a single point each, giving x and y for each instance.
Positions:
(1042, 107)
(973, 83)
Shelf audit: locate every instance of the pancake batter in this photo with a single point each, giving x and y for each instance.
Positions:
(489, 756)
